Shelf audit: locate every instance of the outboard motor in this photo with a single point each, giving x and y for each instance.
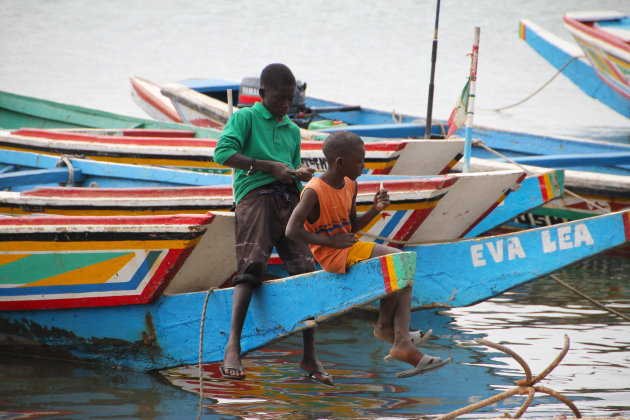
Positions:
(248, 94)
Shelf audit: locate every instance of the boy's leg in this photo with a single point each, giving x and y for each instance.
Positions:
(393, 318)
(254, 243)
(297, 259)
(385, 329)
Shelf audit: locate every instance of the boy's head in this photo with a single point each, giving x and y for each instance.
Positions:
(345, 152)
(277, 87)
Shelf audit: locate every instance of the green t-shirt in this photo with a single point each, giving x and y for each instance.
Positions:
(256, 133)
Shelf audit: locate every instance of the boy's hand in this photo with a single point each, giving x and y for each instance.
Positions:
(304, 173)
(381, 200)
(282, 172)
(342, 240)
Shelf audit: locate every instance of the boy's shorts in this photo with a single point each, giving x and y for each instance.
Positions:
(359, 251)
(261, 219)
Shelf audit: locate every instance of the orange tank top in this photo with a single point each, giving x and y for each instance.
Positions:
(334, 218)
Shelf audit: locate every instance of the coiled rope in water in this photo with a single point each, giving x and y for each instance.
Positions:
(524, 386)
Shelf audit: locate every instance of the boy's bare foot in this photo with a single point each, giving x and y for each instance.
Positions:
(405, 351)
(316, 371)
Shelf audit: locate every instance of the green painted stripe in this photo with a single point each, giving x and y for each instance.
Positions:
(405, 267)
(38, 267)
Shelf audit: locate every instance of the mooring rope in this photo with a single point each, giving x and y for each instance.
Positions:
(590, 299)
(524, 386)
(203, 322)
(65, 161)
(481, 144)
(542, 87)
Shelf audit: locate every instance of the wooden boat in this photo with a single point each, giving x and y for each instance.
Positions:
(166, 332)
(586, 194)
(101, 291)
(120, 147)
(24, 170)
(208, 96)
(181, 145)
(416, 211)
(604, 38)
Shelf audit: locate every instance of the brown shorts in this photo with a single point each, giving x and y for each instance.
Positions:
(261, 218)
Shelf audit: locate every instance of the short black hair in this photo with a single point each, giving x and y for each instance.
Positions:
(338, 143)
(276, 75)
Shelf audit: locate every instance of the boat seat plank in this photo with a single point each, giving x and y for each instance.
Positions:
(578, 159)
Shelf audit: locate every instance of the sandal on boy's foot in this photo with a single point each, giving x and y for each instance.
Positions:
(226, 375)
(417, 338)
(425, 365)
(320, 376)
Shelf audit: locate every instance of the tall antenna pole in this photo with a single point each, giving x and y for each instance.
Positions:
(427, 131)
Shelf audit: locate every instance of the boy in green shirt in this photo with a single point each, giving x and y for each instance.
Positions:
(263, 146)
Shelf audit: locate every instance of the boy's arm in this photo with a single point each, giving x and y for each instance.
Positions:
(381, 202)
(295, 227)
(281, 171)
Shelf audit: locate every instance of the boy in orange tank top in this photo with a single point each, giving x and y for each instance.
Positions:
(326, 218)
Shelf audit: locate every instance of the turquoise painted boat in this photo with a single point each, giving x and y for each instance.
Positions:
(21, 171)
(165, 331)
(63, 312)
(599, 62)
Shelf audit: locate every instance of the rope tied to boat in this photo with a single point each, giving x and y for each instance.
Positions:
(526, 386)
(203, 322)
(64, 160)
(480, 143)
(542, 87)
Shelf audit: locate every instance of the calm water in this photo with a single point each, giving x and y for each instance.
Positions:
(371, 53)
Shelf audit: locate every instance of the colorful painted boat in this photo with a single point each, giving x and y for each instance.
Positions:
(166, 332)
(78, 303)
(381, 157)
(586, 194)
(604, 38)
(183, 145)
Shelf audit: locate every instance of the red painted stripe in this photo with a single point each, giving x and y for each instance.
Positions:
(137, 140)
(144, 132)
(411, 225)
(409, 184)
(385, 270)
(46, 220)
(380, 146)
(82, 192)
(596, 33)
(626, 225)
(248, 99)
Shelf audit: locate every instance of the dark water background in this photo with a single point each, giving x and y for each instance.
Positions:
(375, 53)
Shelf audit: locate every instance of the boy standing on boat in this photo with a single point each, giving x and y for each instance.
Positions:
(326, 218)
(263, 146)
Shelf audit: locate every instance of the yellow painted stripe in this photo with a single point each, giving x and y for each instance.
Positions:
(391, 270)
(93, 274)
(6, 259)
(33, 246)
(380, 165)
(550, 192)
